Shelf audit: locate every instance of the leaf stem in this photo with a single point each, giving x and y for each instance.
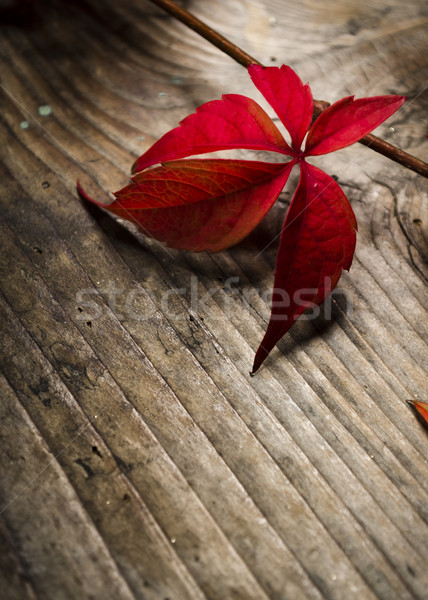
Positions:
(244, 59)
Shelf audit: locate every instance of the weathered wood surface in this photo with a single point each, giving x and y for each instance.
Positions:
(138, 458)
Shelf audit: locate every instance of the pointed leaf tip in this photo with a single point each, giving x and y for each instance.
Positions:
(421, 408)
(83, 194)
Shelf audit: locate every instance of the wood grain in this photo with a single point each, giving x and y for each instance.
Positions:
(139, 459)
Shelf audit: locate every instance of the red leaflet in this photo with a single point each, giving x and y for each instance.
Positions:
(317, 242)
(233, 122)
(347, 121)
(290, 99)
(200, 205)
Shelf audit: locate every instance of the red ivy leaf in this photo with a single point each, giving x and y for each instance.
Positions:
(347, 121)
(317, 242)
(212, 204)
(290, 99)
(201, 205)
(233, 122)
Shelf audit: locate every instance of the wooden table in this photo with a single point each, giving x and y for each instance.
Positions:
(138, 458)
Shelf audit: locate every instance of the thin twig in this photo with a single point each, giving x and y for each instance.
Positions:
(373, 142)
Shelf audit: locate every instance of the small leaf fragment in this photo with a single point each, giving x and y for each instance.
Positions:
(422, 409)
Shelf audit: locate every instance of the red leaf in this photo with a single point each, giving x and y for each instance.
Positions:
(210, 205)
(290, 99)
(347, 121)
(230, 123)
(201, 204)
(317, 243)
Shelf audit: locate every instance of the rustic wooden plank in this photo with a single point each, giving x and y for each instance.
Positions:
(88, 377)
(307, 481)
(59, 525)
(13, 578)
(126, 378)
